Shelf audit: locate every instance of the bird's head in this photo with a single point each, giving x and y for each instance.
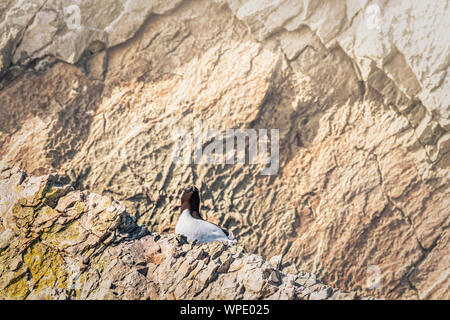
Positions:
(190, 199)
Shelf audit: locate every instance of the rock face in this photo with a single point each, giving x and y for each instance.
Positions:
(358, 89)
(57, 243)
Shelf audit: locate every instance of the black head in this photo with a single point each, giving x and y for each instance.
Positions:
(191, 199)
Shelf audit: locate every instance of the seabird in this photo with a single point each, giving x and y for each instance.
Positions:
(193, 226)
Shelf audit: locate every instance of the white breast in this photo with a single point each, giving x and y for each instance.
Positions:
(200, 230)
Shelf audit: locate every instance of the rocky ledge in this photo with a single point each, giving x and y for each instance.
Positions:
(59, 243)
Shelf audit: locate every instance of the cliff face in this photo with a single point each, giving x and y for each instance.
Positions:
(57, 243)
(358, 89)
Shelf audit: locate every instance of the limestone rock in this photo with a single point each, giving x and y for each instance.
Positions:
(389, 34)
(358, 89)
(81, 250)
(71, 29)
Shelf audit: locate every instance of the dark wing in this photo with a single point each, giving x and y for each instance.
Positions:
(224, 231)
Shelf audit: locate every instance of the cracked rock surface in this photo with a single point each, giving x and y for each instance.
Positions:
(358, 89)
(60, 243)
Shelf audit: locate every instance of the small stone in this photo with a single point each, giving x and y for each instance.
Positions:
(81, 242)
(208, 274)
(181, 239)
(427, 129)
(96, 65)
(275, 277)
(68, 201)
(321, 295)
(275, 261)
(16, 263)
(225, 264)
(215, 249)
(202, 254)
(290, 269)
(178, 252)
(236, 265)
(143, 271)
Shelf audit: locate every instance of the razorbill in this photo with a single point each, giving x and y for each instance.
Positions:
(193, 226)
